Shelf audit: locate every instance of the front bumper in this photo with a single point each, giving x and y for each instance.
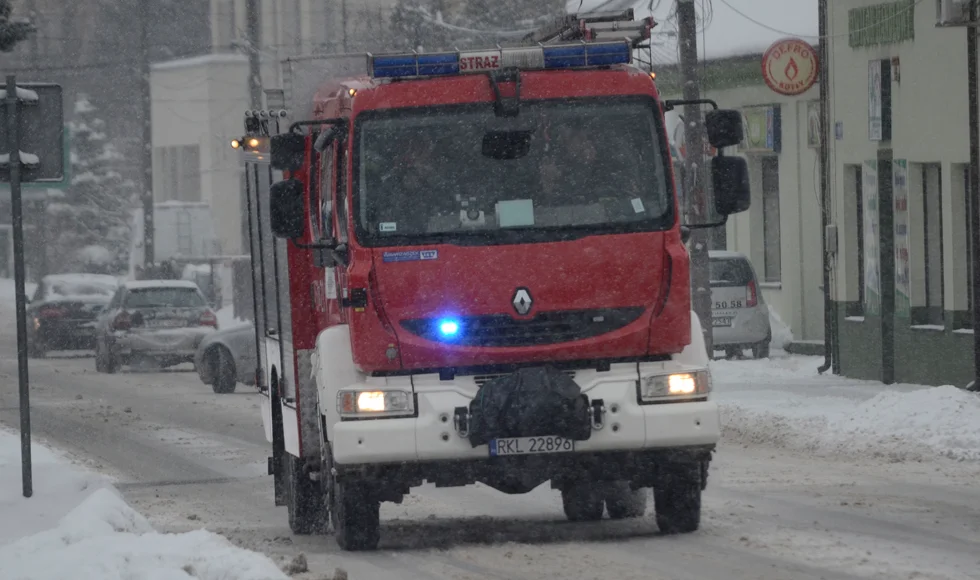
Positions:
(430, 436)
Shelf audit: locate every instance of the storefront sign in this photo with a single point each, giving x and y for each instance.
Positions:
(903, 279)
(874, 101)
(790, 66)
(872, 269)
(763, 129)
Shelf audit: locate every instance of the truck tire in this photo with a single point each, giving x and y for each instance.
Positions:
(623, 502)
(304, 499)
(356, 517)
(583, 502)
(677, 498)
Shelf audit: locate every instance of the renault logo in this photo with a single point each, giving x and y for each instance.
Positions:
(522, 301)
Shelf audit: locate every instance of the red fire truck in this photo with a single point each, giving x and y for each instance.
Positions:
(469, 267)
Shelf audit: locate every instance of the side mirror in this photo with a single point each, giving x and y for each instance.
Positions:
(730, 179)
(724, 127)
(287, 209)
(288, 151)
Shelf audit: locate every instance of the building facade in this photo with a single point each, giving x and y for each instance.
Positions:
(899, 170)
(781, 231)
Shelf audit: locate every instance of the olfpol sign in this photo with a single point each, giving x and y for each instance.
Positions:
(790, 66)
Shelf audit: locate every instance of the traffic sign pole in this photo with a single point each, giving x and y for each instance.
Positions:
(17, 217)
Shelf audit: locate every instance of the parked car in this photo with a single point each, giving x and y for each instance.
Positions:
(157, 321)
(61, 315)
(227, 357)
(740, 316)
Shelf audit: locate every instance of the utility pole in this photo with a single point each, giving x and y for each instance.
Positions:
(253, 28)
(974, 193)
(147, 181)
(696, 203)
(829, 319)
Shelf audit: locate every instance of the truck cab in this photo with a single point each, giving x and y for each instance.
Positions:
(487, 283)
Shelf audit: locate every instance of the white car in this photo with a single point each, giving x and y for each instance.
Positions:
(163, 321)
(740, 315)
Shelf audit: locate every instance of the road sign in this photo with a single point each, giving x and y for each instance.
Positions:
(35, 191)
(42, 134)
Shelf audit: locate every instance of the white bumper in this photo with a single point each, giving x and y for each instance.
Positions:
(431, 436)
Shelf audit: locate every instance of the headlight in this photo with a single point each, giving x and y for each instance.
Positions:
(362, 404)
(675, 386)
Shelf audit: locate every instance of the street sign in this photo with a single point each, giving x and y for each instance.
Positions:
(42, 134)
(38, 191)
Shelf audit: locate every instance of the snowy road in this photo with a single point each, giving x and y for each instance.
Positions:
(189, 459)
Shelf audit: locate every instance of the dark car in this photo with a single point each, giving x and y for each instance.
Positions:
(62, 313)
(156, 321)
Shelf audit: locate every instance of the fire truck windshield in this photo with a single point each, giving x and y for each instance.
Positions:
(560, 169)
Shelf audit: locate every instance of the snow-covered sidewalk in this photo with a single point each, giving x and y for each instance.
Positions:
(78, 526)
(784, 402)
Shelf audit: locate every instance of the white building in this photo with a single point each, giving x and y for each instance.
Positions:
(899, 162)
(781, 231)
(199, 103)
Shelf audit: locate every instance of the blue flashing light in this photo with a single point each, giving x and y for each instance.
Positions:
(567, 56)
(448, 328)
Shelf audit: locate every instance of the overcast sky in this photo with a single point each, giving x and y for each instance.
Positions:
(728, 33)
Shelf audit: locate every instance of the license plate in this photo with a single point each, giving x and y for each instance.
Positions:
(530, 445)
(165, 323)
(722, 321)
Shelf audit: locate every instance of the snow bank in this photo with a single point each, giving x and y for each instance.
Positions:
(782, 335)
(77, 526)
(784, 402)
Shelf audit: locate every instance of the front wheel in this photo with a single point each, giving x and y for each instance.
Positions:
(356, 517)
(582, 501)
(304, 499)
(622, 502)
(222, 372)
(677, 498)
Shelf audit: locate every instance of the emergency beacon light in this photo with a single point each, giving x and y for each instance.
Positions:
(566, 56)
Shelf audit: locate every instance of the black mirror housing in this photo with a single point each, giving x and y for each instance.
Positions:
(288, 151)
(730, 179)
(724, 127)
(287, 209)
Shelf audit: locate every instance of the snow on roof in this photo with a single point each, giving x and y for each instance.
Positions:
(199, 61)
(142, 284)
(102, 279)
(25, 159)
(26, 95)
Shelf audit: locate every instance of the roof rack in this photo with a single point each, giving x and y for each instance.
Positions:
(592, 26)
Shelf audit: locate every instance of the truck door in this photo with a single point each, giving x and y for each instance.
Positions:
(330, 222)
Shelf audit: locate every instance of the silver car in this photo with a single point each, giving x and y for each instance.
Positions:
(740, 316)
(155, 321)
(227, 357)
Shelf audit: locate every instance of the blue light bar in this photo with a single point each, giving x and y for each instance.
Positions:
(566, 56)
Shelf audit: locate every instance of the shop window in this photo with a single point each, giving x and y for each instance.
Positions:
(968, 209)
(854, 203)
(770, 219)
(931, 311)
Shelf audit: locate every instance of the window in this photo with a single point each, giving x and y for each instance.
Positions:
(172, 297)
(325, 208)
(460, 172)
(854, 181)
(177, 173)
(969, 208)
(770, 219)
(932, 235)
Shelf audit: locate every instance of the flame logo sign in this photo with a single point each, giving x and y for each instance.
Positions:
(792, 70)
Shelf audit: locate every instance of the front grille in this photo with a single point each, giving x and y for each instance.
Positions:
(481, 380)
(503, 330)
